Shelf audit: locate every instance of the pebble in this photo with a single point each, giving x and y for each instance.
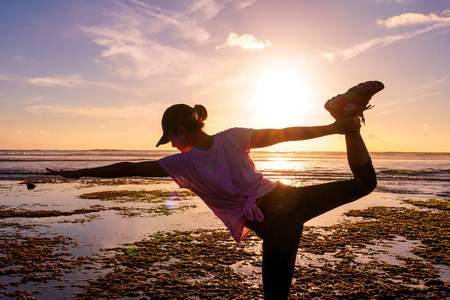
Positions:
(30, 186)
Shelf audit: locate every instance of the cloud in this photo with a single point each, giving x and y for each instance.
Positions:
(70, 81)
(17, 58)
(427, 90)
(245, 41)
(66, 81)
(433, 20)
(206, 8)
(241, 4)
(345, 54)
(432, 84)
(413, 99)
(174, 24)
(133, 55)
(408, 19)
(392, 0)
(141, 40)
(129, 112)
(41, 132)
(4, 77)
(210, 8)
(36, 99)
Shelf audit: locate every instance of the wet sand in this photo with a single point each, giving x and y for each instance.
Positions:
(141, 238)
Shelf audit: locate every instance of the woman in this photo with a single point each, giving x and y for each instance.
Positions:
(219, 170)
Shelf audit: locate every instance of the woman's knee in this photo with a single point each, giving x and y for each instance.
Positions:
(367, 176)
(369, 184)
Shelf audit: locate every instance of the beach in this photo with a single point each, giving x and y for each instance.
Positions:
(146, 239)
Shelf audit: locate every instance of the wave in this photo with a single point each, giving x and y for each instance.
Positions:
(10, 155)
(71, 159)
(296, 167)
(414, 172)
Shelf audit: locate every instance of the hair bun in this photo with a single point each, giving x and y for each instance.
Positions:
(199, 112)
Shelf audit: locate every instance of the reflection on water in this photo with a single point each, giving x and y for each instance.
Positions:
(281, 164)
(281, 169)
(107, 228)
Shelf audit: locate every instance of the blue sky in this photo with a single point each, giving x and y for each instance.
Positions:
(99, 74)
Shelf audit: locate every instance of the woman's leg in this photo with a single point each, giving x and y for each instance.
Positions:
(318, 199)
(287, 208)
(278, 262)
(281, 231)
(357, 154)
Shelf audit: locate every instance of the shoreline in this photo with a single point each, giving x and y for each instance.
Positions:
(89, 234)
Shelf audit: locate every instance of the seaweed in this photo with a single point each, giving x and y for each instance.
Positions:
(343, 261)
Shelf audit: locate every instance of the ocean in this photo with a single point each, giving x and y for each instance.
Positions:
(420, 173)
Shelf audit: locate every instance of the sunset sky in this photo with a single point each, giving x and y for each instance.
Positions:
(87, 74)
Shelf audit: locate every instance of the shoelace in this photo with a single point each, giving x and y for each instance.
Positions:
(363, 120)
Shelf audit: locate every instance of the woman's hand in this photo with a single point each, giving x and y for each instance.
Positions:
(66, 174)
(52, 172)
(350, 125)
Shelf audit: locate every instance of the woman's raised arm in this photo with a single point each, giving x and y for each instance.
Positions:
(268, 137)
(122, 169)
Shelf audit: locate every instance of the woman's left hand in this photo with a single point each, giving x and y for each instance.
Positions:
(52, 172)
(65, 174)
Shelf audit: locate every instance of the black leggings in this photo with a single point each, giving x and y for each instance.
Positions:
(286, 209)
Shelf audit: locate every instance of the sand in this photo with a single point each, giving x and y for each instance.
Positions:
(77, 231)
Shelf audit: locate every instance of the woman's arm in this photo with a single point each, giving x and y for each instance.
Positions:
(122, 169)
(267, 137)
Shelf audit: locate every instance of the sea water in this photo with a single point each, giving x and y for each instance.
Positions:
(398, 172)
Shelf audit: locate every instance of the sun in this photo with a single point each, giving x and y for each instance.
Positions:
(280, 94)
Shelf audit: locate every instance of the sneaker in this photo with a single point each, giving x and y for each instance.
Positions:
(355, 101)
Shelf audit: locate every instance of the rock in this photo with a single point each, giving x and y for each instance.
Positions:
(30, 186)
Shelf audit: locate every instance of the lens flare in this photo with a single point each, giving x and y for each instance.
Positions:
(172, 199)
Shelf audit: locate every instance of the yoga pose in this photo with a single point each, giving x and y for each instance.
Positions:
(219, 170)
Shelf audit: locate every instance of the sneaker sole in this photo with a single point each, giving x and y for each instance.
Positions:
(354, 101)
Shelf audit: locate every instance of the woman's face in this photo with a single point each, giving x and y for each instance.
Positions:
(180, 140)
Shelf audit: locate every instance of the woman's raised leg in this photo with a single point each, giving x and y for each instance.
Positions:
(357, 154)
